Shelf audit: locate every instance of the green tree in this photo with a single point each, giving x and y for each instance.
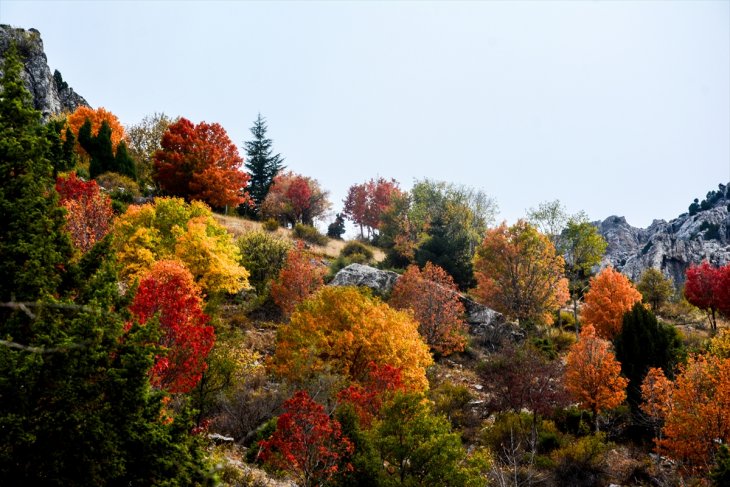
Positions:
(101, 151)
(144, 140)
(263, 255)
(655, 288)
(62, 153)
(583, 248)
(261, 162)
(550, 219)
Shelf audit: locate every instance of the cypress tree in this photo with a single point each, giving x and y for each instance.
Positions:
(261, 163)
(123, 162)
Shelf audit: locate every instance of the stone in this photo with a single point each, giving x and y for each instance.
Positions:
(51, 95)
(379, 281)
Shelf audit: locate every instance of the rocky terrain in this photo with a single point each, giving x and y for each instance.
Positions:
(51, 95)
(701, 234)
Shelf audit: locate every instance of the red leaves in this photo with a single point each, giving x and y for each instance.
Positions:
(297, 280)
(708, 288)
(432, 296)
(367, 398)
(307, 442)
(365, 203)
(88, 211)
(169, 292)
(199, 162)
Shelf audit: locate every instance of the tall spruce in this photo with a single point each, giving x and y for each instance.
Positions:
(261, 162)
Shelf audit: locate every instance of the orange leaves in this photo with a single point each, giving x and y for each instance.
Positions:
(593, 374)
(611, 295)
(432, 296)
(520, 274)
(342, 330)
(297, 280)
(96, 117)
(656, 392)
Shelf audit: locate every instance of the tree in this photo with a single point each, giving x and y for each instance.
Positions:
(696, 419)
(263, 256)
(365, 203)
(307, 443)
(336, 229)
(550, 219)
(262, 163)
(583, 248)
(298, 279)
(702, 289)
(656, 395)
(199, 162)
(342, 330)
(96, 117)
(293, 198)
(610, 296)
(367, 398)
(520, 274)
(145, 139)
(62, 151)
(171, 229)
(433, 298)
(88, 212)
(592, 374)
(104, 155)
(655, 288)
(644, 343)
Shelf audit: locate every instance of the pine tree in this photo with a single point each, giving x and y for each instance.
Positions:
(261, 163)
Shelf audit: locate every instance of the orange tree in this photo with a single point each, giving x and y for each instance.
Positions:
(199, 162)
(520, 274)
(432, 296)
(696, 419)
(342, 330)
(593, 375)
(297, 280)
(610, 296)
(96, 117)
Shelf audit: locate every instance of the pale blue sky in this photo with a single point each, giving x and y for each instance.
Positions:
(613, 107)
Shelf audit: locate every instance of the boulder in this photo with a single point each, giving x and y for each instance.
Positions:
(359, 275)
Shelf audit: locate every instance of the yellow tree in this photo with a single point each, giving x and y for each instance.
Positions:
(593, 375)
(520, 274)
(342, 330)
(611, 295)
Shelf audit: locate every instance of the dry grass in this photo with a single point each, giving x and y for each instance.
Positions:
(238, 226)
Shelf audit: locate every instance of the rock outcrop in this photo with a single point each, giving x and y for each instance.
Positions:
(487, 326)
(51, 95)
(671, 246)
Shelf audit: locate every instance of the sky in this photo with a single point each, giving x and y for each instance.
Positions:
(613, 107)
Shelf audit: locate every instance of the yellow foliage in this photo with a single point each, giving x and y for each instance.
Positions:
(341, 330)
(720, 344)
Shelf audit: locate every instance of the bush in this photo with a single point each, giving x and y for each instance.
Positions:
(263, 255)
(566, 320)
(270, 225)
(120, 188)
(309, 234)
(353, 252)
(452, 400)
(582, 462)
(573, 421)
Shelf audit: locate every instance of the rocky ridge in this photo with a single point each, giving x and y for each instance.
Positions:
(51, 95)
(701, 234)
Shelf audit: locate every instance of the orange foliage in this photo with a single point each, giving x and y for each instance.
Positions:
(520, 274)
(298, 279)
(96, 116)
(593, 375)
(342, 330)
(698, 417)
(432, 296)
(611, 295)
(656, 393)
(89, 212)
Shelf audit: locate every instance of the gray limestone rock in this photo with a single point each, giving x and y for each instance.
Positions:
(381, 282)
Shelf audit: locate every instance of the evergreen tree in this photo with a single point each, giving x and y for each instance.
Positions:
(101, 151)
(337, 228)
(123, 162)
(62, 154)
(261, 163)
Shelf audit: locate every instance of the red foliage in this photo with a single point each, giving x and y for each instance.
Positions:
(88, 211)
(708, 288)
(294, 198)
(307, 442)
(367, 398)
(433, 297)
(170, 292)
(365, 203)
(297, 280)
(299, 195)
(199, 162)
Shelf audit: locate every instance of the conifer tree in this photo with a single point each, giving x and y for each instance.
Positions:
(261, 163)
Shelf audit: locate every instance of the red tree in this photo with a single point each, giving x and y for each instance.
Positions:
(294, 198)
(708, 288)
(433, 297)
(88, 211)
(367, 398)
(365, 203)
(170, 292)
(307, 442)
(297, 280)
(199, 162)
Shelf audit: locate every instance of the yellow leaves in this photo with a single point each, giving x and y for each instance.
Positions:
(342, 330)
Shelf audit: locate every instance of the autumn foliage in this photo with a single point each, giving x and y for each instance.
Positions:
(298, 279)
(366, 203)
(611, 295)
(433, 298)
(307, 443)
(341, 330)
(169, 292)
(199, 162)
(367, 397)
(520, 274)
(96, 117)
(708, 288)
(294, 198)
(593, 375)
(88, 211)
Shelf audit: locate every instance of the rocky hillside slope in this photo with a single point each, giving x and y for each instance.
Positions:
(51, 95)
(701, 234)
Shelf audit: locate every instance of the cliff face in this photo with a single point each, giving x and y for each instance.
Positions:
(51, 95)
(702, 234)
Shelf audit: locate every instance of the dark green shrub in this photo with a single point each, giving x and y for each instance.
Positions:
(309, 234)
(452, 400)
(263, 255)
(574, 421)
(270, 225)
(582, 463)
(356, 248)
